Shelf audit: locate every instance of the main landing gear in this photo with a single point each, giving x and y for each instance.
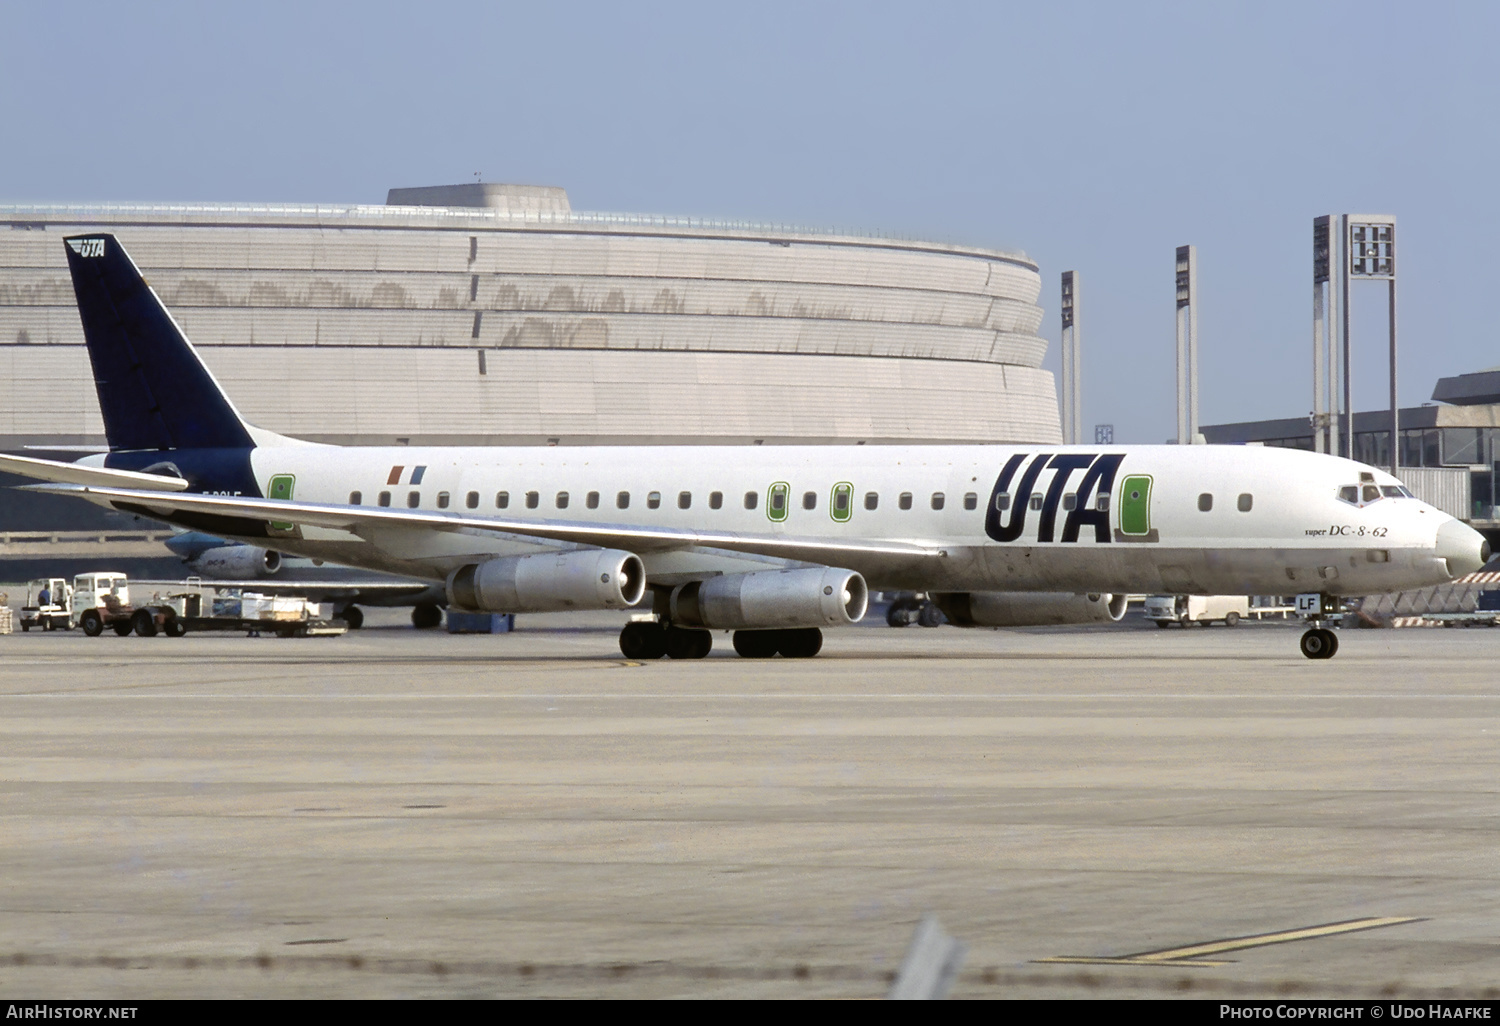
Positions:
(646, 639)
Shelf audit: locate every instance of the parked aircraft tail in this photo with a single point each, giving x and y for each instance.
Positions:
(154, 391)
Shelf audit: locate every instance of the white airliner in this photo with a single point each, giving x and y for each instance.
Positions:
(772, 542)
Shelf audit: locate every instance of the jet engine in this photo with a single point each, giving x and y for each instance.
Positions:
(550, 582)
(818, 597)
(1027, 609)
(236, 562)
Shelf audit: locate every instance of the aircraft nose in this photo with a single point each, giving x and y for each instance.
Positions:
(1463, 547)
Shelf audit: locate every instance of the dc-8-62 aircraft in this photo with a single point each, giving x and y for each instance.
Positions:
(774, 543)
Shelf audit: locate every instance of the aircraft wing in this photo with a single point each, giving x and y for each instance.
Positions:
(355, 518)
(73, 473)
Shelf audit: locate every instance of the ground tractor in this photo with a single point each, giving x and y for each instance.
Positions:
(103, 600)
(54, 613)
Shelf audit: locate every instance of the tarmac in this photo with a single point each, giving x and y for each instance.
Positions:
(402, 813)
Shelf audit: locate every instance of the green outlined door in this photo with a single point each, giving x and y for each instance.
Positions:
(841, 502)
(776, 506)
(281, 487)
(1135, 505)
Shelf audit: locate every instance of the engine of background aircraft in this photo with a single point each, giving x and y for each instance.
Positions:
(1024, 609)
(236, 562)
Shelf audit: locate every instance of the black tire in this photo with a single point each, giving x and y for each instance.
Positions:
(929, 615)
(91, 622)
(25, 626)
(643, 640)
(352, 616)
(1319, 643)
(1231, 618)
(143, 623)
(755, 644)
(1163, 624)
(683, 643)
(123, 627)
(426, 615)
(174, 627)
(802, 643)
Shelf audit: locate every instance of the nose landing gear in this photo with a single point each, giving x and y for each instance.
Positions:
(1320, 643)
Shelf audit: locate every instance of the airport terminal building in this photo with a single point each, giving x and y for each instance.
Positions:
(495, 314)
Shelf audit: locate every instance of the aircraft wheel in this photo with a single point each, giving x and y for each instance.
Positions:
(123, 627)
(1231, 618)
(929, 615)
(425, 615)
(142, 623)
(802, 643)
(1319, 643)
(91, 622)
(352, 616)
(643, 640)
(175, 628)
(755, 644)
(683, 643)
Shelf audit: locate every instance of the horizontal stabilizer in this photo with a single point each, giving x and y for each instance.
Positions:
(80, 474)
(359, 518)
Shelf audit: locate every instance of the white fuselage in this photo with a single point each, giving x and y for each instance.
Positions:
(1297, 534)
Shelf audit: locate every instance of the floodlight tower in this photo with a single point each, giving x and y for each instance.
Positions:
(1072, 380)
(1187, 345)
(1358, 247)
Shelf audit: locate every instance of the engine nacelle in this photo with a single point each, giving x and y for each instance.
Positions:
(550, 582)
(1027, 609)
(818, 597)
(236, 562)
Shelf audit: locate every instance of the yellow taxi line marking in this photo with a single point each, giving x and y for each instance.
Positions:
(1176, 956)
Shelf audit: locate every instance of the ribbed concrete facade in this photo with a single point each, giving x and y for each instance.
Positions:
(502, 326)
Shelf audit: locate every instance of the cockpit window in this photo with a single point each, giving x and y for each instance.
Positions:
(1371, 493)
(1350, 493)
(1407, 492)
(1390, 491)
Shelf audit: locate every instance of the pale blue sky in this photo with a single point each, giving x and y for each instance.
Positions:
(1095, 137)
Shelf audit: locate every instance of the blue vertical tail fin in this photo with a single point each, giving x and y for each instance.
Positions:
(154, 391)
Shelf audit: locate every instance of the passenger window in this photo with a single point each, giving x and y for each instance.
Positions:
(872, 500)
(592, 500)
(502, 500)
(1371, 493)
(355, 498)
(937, 500)
(653, 500)
(1246, 501)
(1070, 501)
(385, 498)
(971, 500)
(472, 500)
(1102, 503)
(622, 500)
(715, 500)
(684, 500)
(413, 499)
(904, 500)
(809, 500)
(1350, 494)
(1390, 491)
(562, 500)
(1002, 501)
(751, 499)
(533, 500)
(1205, 502)
(442, 500)
(1036, 500)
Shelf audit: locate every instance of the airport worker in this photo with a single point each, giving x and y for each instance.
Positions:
(44, 597)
